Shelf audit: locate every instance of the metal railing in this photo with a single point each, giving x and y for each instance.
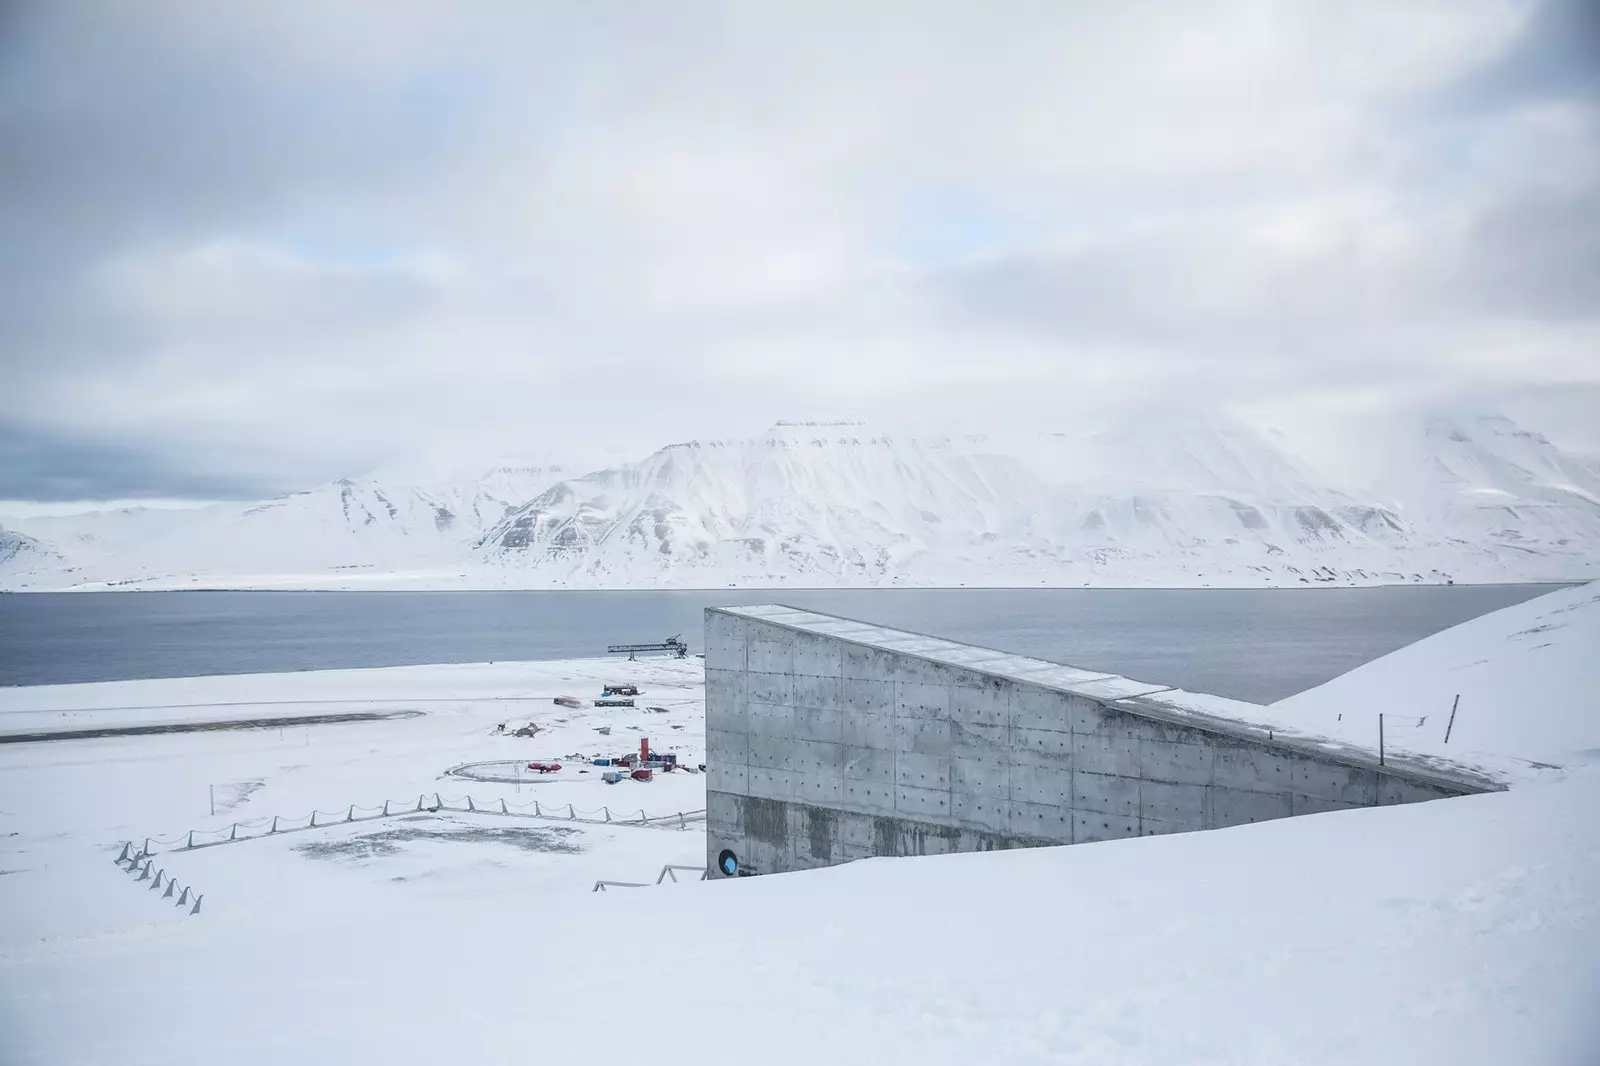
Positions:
(667, 871)
(261, 828)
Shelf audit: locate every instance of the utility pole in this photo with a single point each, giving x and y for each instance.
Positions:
(213, 790)
(1452, 723)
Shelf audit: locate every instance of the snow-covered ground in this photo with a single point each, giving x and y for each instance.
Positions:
(1164, 498)
(1528, 678)
(1459, 931)
(64, 803)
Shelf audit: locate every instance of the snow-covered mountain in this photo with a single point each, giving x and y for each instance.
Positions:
(837, 502)
(344, 529)
(1177, 499)
(87, 537)
(1153, 499)
(22, 554)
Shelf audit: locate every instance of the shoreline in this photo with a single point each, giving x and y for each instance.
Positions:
(1553, 583)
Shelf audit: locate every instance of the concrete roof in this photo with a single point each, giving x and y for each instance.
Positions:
(1164, 703)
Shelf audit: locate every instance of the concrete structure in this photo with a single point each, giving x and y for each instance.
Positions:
(830, 740)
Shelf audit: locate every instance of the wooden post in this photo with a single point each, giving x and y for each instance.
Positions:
(1452, 723)
(1380, 738)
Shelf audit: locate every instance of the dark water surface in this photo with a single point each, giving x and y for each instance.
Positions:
(1257, 644)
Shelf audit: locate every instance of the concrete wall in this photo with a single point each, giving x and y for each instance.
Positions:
(821, 750)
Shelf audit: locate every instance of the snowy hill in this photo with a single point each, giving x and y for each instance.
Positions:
(836, 502)
(20, 553)
(1526, 677)
(90, 536)
(1155, 498)
(1181, 501)
(342, 528)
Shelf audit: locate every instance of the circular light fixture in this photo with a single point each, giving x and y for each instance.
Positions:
(728, 863)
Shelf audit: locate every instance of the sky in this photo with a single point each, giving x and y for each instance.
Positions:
(248, 248)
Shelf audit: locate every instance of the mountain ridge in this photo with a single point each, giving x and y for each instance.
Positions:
(1183, 500)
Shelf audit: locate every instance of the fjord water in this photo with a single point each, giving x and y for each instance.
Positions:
(1252, 644)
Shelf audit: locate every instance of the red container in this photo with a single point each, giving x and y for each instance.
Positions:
(641, 775)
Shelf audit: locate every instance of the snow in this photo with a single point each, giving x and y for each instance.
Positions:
(20, 553)
(1528, 677)
(1160, 498)
(1460, 931)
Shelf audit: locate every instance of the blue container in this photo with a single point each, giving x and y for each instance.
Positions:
(602, 762)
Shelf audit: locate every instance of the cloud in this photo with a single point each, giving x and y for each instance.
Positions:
(244, 248)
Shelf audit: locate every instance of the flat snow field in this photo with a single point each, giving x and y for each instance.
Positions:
(1459, 931)
(66, 805)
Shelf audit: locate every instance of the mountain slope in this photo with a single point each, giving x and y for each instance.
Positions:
(1161, 498)
(347, 527)
(831, 500)
(20, 553)
(1512, 690)
(1182, 501)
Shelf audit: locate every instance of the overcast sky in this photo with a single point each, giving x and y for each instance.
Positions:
(245, 248)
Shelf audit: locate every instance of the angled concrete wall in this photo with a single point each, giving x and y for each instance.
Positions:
(830, 740)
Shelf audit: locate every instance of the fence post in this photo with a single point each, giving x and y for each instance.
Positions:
(608, 813)
(124, 856)
(350, 815)
(157, 882)
(183, 898)
(197, 900)
(537, 813)
(644, 819)
(274, 828)
(437, 802)
(503, 806)
(386, 808)
(190, 844)
(145, 874)
(1452, 723)
(172, 883)
(572, 813)
(313, 818)
(682, 824)
(1380, 738)
(470, 807)
(147, 846)
(419, 803)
